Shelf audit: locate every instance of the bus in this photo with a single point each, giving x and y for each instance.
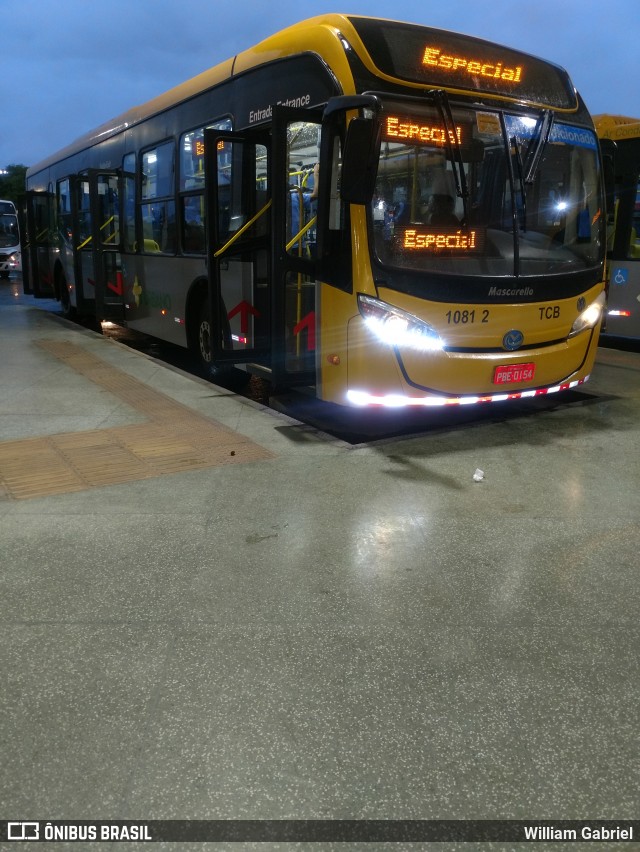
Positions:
(623, 223)
(379, 213)
(10, 251)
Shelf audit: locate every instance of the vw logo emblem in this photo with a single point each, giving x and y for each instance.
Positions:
(513, 340)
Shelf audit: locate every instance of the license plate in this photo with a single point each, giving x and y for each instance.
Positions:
(510, 374)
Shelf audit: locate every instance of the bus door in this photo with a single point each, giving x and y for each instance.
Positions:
(38, 241)
(97, 244)
(296, 153)
(261, 257)
(238, 204)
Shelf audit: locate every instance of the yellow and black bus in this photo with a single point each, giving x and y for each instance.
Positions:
(388, 214)
(623, 223)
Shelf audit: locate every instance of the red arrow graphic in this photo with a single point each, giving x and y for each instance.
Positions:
(308, 322)
(117, 288)
(244, 308)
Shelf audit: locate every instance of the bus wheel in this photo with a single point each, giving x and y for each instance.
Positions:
(204, 335)
(224, 375)
(68, 311)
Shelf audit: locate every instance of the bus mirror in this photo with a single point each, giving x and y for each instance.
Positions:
(360, 161)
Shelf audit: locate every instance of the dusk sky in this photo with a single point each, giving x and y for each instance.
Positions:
(71, 66)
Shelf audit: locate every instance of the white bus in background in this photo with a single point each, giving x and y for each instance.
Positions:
(10, 256)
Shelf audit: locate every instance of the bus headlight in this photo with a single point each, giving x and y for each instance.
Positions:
(396, 327)
(590, 316)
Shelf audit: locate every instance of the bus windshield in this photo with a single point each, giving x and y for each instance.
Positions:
(471, 192)
(9, 234)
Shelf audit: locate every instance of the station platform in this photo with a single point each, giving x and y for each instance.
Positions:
(212, 610)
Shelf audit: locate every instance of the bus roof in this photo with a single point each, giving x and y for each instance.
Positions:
(616, 127)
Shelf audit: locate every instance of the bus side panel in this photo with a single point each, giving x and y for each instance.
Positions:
(623, 305)
(155, 291)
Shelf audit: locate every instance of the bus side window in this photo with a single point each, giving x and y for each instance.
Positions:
(158, 205)
(83, 237)
(302, 154)
(193, 241)
(65, 227)
(192, 179)
(191, 206)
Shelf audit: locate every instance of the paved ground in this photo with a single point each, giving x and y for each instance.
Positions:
(287, 626)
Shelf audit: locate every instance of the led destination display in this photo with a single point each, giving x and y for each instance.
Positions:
(408, 129)
(445, 59)
(495, 70)
(460, 241)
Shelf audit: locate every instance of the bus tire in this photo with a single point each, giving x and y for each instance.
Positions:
(203, 335)
(62, 293)
(224, 375)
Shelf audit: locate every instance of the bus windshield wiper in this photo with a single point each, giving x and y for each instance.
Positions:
(515, 145)
(453, 147)
(538, 144)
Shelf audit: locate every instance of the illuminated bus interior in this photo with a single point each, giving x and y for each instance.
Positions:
(466, 207)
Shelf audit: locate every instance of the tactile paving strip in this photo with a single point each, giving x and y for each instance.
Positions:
(174, 439)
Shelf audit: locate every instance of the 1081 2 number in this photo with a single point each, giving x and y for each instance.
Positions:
(466, 316)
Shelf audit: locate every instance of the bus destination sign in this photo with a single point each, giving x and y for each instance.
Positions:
(495, 70)
(440, 58)
(459, 241)
(418, 131)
